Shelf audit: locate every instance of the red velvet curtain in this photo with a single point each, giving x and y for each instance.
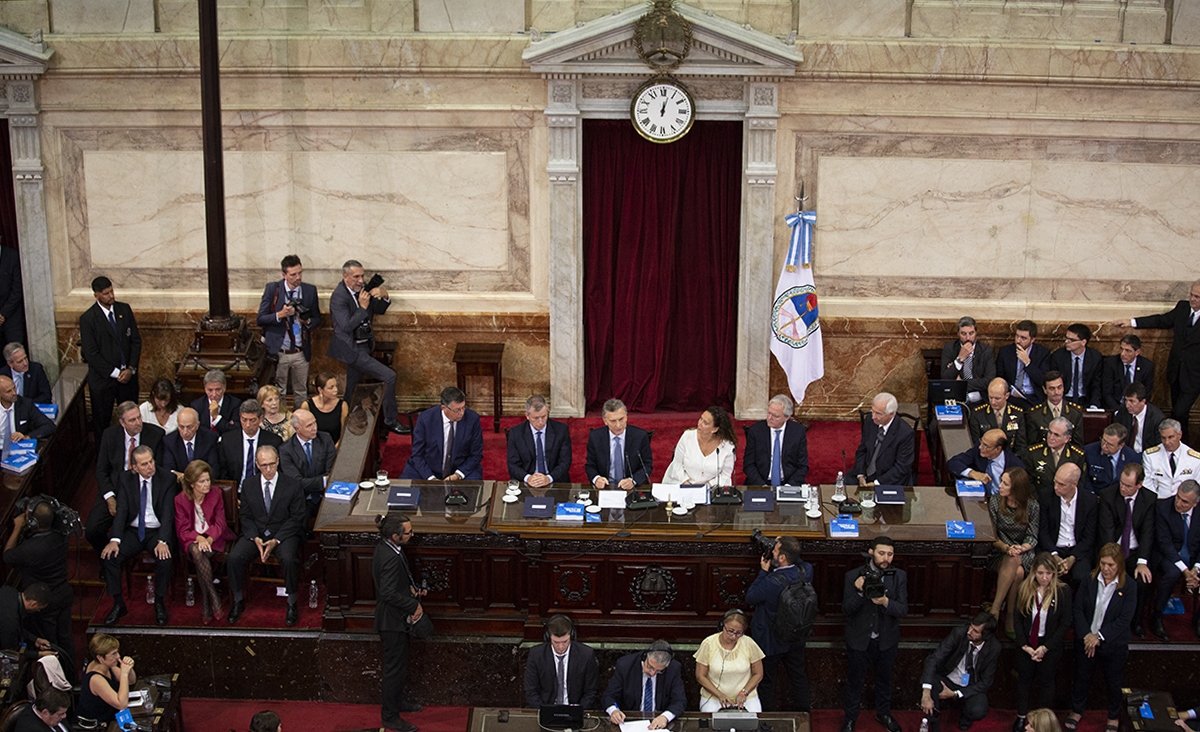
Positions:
(8, 200)
(661, 227)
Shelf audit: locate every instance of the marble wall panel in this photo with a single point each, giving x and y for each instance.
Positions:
(103, 16)
(471, 16)
(1185, 25)
(25, 16)
(862, 19)
(1088, 20)
(384, 16)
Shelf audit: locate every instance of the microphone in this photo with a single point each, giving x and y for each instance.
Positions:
(638, 498)
(727, 494)
(843, 461)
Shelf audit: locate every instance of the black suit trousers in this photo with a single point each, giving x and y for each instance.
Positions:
(130, 547)
(1143, 589)
(246, 551)
(857, 665)
(1042, 673)
(106, 393)
(797, 672)
(99, 523)
(1182, 399)
(395, 672)
(364, 363)
(1168, 577)
(974, 707)
(1112, 664)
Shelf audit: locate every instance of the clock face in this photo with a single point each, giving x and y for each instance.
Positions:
(662, 111)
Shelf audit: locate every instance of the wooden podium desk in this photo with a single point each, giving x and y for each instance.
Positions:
(526, 720)
(490, 571)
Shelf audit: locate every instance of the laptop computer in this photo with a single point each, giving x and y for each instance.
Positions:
(942, 390)
(561, 716)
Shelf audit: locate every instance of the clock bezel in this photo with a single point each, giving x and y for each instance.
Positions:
(662, 81)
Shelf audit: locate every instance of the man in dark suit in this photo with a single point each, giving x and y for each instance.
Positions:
(272, 516)
(655, 667)
(15, 609)
(1023, 364)
(39, 553)
(236, 450)
(1177, 551)
(1140, 418)
(1127, 518)
(618, 452)
(307, 458)
(112, 346)
(873, 632)
(1067, 524)
(966, 359)
(559, 656)
(188, 442)
(217, 410)
(114, 457)
(1038, 418)
(780, 570)
(998, 413)
(29, 376)
(885, 451)
(12, 301)
(144, 522)
(1183, 363)
(287, 333)
(397, 607)
(20, 419)
(1080, 367)
(452, 424)
(353, 307)
(1043, 460)
(777, 447)
(1105, 459)
(962, 667)
(1127, 367)
(539, 453)
(985, 462)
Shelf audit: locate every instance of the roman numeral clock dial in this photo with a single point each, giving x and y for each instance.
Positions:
(662, 110)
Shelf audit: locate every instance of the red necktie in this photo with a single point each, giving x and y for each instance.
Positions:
(1033, 631)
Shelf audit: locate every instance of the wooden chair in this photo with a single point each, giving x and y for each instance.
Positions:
(229, 500)
(913, 421)
(8, 720)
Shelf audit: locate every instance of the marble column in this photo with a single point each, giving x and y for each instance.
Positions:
(24, 137)
(567, 397)
(756, 276)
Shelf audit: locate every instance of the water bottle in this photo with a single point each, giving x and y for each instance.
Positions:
(312, 594)
(6, 667)
(839, 488)
(149, 590)
(148, 704)
(924, 724)
(190, 597)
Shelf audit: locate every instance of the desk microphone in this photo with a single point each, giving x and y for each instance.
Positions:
(638, 498)
(727, 494)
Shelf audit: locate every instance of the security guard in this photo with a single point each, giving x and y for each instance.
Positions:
(1169, 464)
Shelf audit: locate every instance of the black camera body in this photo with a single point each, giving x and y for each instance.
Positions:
(873, 587)
(303, 311)
(375, 281)
(765, 544)
(66, 519)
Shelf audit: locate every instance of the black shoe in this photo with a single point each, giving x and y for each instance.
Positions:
(1156, 627)
(160, 612)
(293, 616)
(1019, 725)
(118, 611)
(399, 429)
(848, 725)
(1139, 630)
(410, 707)
(888, 721)
(399, 725)
(236, 610)
(964, 723)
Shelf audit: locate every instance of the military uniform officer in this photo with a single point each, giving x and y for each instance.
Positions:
(1037, 419)
(1044, 458)
(997, 413)
(1169, 464)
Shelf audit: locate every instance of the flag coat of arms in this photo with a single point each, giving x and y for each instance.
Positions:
(795, 316)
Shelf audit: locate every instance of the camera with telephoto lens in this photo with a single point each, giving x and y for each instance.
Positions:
(765, 544)
(302, 311)
(375, 281)
(873, 587)
(66, 519)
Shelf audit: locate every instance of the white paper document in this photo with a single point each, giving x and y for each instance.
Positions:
(611, 499)
(697, 494)
(636, 725)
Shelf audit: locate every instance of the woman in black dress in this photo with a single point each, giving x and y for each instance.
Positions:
(106, 682)
(329, 409)
(1014, 513)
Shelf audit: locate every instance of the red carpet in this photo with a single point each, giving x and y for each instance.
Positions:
(219, 715)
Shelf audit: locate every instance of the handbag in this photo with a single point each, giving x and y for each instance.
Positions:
(421, 629)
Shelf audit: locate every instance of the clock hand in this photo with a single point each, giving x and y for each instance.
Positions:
(663, 113)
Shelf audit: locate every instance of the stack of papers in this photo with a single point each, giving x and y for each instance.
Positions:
(952, 413)
(19, 462)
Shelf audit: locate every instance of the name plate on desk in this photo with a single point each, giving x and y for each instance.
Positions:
(758, 501)
(889, 494)
(843, 527)
(970, 488)
(960, 529)
(539, 507)
(404, 497)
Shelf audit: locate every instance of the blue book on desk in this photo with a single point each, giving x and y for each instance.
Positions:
(970, 488)
(569, 512)
(124, 720)
(19, 462)
(960, 529)
(843, 527)
(50, 410)
(539, 507)
(949, 413)
(404, 496)
(340, 491)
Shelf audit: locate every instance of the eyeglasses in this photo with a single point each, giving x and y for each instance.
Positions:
(1072, 339)
(734, 633)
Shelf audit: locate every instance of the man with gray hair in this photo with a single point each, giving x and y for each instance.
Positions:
(1177, 550)
(966, 359)
(618, 453)
(29, 376)
(1067, 522)
(1043, 459)
(353, 308)
(885, 451)
(776, 447)
(307, 458)
(1171, 462)
(649, 681)
(235, 450)
(217, 410)
(539, 451)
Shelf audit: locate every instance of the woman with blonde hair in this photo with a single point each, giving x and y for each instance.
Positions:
(1043, 613)
(1042, 720)
(201, 527)
(106, 683)
(276, 420)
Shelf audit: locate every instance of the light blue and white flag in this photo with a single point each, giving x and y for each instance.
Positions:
(795, 325)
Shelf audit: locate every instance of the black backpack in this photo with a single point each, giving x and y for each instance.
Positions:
(797, 610)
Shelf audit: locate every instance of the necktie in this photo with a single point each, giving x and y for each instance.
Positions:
(777, 460)
(1033, 631)
(971, 661)
(129, 457)
(267, 495)
(308, 453)
(249, 458)
(875, 453)
(968, 364)
(448, 460)
(994, 471)
(648, 695)
(1115, 458)
(19, 380)
(1128, 374)
(1000, 420)
(1172, 461)
(1021, 376)
(189, 452)
(1128, 530)
(112, 322)
(617, 462)
(1184, 554)
(541, 454)
(561, 680)
(142, 512)
(6, 428)
(1076, 387)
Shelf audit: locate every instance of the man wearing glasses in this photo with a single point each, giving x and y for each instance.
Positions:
(1080, 366)
(273, 517)
(649, 682)
(447, 442)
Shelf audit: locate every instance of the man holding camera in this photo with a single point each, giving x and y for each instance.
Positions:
(289, 311)
(874, 598)
(39, 553)
(780, 569)
(353, 306)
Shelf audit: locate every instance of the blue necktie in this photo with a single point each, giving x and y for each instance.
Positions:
(308, 453)
(617, 461)
(189, 451)
(1128, 374)
(19, 380)
(994, 471)
(142, 513)
(1184, 554)
(648, 695)
(777, 461)
(249, 459)
(541, 454)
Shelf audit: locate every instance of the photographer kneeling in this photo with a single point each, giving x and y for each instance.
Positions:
(874, 598)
